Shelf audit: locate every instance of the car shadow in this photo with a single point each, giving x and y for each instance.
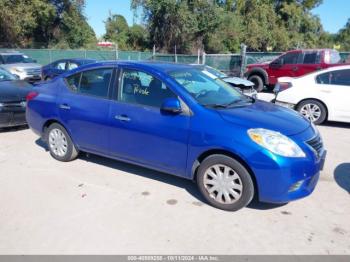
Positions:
(188, 185)
(255, 204)
(336, 124)
(342, 176)
(13, 129)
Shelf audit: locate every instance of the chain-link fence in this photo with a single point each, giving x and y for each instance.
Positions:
(46, 56)
(228, 63)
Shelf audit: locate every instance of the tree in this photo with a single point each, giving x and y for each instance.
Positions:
(43, 23)
(117, 30)
(343, 37)
(138, 38)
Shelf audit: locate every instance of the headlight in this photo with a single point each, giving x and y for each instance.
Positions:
(1, 105)
(18, 70)
(275, 142)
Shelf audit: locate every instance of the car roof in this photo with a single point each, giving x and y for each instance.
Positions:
(11, 53)
(148, 65)
(310, 50)
(75, 59)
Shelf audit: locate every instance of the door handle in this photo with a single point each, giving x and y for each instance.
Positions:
(65, 106)
(326, 91)
(123, 118)
(295, 68)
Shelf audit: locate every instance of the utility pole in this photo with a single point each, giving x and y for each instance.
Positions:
(243, 59)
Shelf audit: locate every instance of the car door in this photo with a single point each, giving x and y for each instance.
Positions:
(335, 88)
(310, 62)
(84, 108)
(140, 132)
(286, 65)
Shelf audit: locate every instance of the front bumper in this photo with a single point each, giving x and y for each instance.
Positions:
(284, 104)
(12, 117)
(28, 77)
(281, 179)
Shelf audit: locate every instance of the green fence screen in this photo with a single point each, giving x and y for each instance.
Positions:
(229, 63)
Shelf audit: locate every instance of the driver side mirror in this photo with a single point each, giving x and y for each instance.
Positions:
(171, 105)
(277, 89)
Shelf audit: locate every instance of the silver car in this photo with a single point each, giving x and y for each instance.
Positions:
(21, 66)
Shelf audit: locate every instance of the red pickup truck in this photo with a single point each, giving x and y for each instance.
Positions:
(292, 63)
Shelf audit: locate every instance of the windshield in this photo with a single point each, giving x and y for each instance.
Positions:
(6, 76)
(14, 59)
(206, 90)
(215, 72)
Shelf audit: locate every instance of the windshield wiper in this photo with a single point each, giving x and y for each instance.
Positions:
(215, 105)
(222, 105)
(230, 104)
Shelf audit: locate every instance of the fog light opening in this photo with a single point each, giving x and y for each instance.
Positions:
(295, 186)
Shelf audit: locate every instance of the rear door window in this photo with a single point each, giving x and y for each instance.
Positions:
(311, 57)
(93, 82)
(338, 77)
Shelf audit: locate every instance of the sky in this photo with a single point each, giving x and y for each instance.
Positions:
(333, 13)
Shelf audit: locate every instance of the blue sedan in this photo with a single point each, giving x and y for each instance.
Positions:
(176, 119)
(63, 65)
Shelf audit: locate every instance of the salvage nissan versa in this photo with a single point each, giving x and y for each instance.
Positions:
(175, 119)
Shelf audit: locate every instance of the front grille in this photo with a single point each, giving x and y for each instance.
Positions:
(316, 144)
(34, 71)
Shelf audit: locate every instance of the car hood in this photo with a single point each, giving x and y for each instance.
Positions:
(12, 91)
(266, 115)
(238, 81)
(21, 65)
(264, 65)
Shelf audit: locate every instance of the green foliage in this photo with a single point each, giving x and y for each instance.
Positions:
(216, 26)
(117, 30)
(43, 23)
(343, 38)
(127, 38)
(221, 25)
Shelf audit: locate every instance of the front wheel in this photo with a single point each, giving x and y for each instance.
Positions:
(225, 183)
(60, 144)
(258, 82)
(313, 110)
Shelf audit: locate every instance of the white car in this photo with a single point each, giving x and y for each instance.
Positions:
(319, 96)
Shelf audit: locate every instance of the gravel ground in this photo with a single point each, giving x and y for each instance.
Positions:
(99, 206)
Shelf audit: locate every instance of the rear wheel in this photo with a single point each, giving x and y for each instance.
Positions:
(258, 82)
(225, 183)
(60, 144)
(313, 110)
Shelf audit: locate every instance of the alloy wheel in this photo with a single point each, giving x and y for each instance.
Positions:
(311, 112)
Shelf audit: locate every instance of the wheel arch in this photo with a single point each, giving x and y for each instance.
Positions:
(52, 121)
(227, 153)
(260, 72)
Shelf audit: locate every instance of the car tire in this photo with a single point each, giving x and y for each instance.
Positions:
(313, 110)
(60, 144)
(258, 82)
(237, 187)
